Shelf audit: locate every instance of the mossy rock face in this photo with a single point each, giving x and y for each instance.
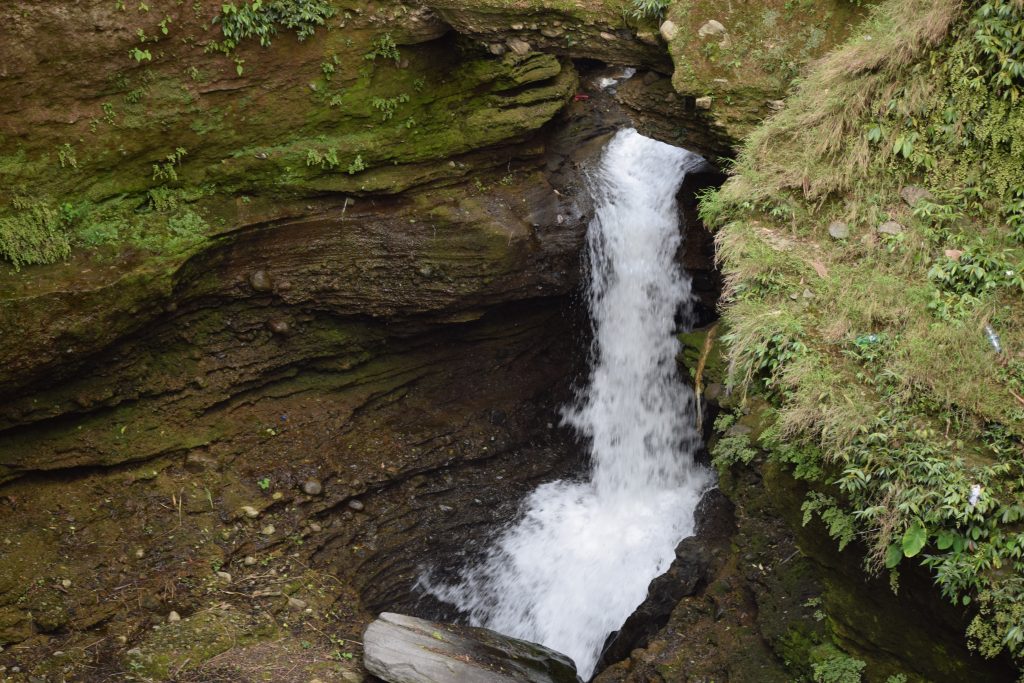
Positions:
(737, 61)
(702, 350)
(594, 29)
(378, 99)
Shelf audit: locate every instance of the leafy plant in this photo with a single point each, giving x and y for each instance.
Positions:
(649, 9)
(838, 668)
(999, 36)
(66, 156)
(357, 165)
(36, 234)
(260, 19)
(165, 170)
(327, 159)
(388, 105)
(384, 46)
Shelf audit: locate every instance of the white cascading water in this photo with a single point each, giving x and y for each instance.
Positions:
(578, 563)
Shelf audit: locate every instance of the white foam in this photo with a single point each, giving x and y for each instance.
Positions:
(579, 561)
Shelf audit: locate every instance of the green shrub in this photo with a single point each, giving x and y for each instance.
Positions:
(649, 9)
(385, 47)
(837, 667)
(37, 234)
(260, 19)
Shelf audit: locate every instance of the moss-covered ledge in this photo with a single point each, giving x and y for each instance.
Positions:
(736, 62)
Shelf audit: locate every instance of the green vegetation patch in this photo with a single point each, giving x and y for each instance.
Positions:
(871, 239)
(261, 20)
(35, 233)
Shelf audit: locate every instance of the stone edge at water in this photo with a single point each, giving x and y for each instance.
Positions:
(403, 649)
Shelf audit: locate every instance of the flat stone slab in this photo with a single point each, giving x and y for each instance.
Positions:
(403, 649)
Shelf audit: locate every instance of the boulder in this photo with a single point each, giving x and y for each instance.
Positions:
(911, 194)
(890, 228)
(668, 30)
(838, 230)
(401, 649)
(520, 47)
(711, 28)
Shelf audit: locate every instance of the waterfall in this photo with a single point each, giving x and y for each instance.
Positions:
(578, 562)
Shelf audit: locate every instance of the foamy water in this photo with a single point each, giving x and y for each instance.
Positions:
(579, 561)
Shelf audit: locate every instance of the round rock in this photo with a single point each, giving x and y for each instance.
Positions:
(312, 487)
(912, 194)
(890, 228)
(668, 30)
(260, 281)
(356, 505)
(838, 230)
(711, 28)
(520, 47)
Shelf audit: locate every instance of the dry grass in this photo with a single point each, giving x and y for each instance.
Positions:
(815, 145)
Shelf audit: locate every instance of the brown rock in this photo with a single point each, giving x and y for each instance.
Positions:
(260, 281)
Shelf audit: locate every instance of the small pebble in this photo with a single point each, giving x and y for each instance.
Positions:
(58, 653)
(356, 505)
(314, 527)
(260, 281)
(277, 495)
(295, 603)
(312, 487)
(224, 576)
(249, 561)
(250, 511)
(122, 639)
(173, 617)
(268, 530)
(140, 553)
(66, 583)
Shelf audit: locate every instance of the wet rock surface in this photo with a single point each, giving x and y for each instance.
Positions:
(403, 649)
(690, 570)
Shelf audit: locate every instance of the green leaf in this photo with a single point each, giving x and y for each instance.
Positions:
(893, 555)
(914, 539)
(945, 540)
